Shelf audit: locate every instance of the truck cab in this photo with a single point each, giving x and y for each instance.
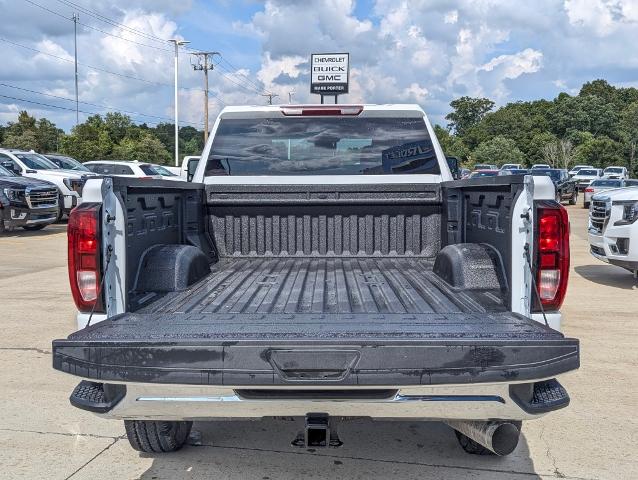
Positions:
(322, 260)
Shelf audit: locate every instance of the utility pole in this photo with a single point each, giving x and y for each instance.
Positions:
(75, 19)
(178, 43)
(270, 97)
(205, 66)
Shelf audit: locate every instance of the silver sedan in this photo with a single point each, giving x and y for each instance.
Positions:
(598, 186)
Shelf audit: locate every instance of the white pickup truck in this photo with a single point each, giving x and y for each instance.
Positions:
(613, 228)
(322, 264)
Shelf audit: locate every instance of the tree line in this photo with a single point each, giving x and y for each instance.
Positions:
(598, 127)
(113, 136)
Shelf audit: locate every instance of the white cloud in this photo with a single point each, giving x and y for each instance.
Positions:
(451, 17)
(513, 66)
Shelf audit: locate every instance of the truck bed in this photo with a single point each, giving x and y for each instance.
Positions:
(313, 285)
(317, 285)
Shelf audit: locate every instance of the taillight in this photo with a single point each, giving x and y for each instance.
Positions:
(589, 190)
(552, 253)
(85, 257)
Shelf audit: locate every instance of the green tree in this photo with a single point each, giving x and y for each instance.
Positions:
(117, 125)
(146, 148)
(537, 146)
(48, 136)
(467, 112)
(27, 140)
(498, 150)
(599, 152)
(588, 114)
(629, 132)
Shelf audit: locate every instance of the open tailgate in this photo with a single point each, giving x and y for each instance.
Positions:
(337, 349)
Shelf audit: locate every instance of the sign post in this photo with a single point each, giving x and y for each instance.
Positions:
(329, 74)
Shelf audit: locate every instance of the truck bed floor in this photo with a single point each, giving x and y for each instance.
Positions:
(324, 285)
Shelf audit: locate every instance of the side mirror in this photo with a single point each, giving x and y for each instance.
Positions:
(453, 163)
(191, 167)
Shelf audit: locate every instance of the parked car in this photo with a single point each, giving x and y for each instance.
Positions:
(67, 163)
(613, 228)
(484, 173)
(26, 202)
(514, 171)
(33, 165)
(631, 182)
(511, 166)
(585, 176)
(616, 172)
(485, 166)
(133, 169)
(598, 186)
(296, 280)
(542, 166)
(577, 168)
(565, 188)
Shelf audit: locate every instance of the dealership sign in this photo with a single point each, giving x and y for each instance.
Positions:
(329, 73)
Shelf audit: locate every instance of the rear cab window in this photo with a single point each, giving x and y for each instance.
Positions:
(321, 145)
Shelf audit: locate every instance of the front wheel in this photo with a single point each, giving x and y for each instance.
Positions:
(156, 436)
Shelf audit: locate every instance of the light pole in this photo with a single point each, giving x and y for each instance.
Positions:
(178, 43)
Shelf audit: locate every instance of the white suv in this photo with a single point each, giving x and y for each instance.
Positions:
(616, 173)
(34, 165)
(120, 168)
(613, 228)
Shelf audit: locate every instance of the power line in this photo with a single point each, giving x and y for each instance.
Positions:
(58, 106)
(252, 88)
(102, 18)
(106, 107)
(270, 97)
(53, 12)
(236, 72)
(100, 69)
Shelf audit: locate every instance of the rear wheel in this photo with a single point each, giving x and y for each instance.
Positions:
(585, 204)
(33, 228)
(574, 199)
(155, 436)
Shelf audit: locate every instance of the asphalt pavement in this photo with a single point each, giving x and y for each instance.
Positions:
(42, 436)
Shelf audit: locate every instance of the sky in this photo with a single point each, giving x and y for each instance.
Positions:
(415, 51)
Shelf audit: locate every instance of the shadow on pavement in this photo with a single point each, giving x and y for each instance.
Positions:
(20, 232)
(609, 275)
(383, 449)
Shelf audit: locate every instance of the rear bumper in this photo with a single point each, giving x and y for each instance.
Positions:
(444, 402)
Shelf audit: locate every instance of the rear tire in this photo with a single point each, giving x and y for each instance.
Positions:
(574, 199)
(156, 436)
(585, 204)
(33, 228)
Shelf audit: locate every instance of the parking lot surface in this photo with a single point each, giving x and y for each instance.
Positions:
(42, 436)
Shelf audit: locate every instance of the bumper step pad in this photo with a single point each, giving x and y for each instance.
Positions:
(96, 397)
(540, 397)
